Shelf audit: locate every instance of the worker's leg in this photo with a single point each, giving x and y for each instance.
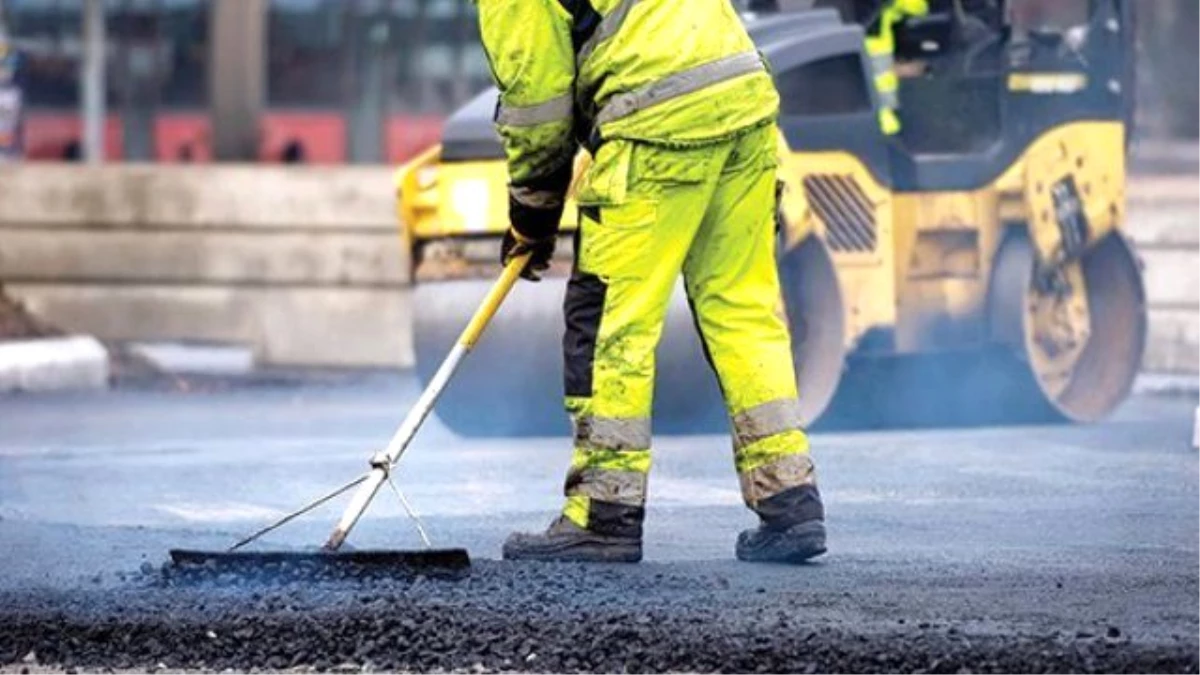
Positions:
(640, 208)
(733, 285)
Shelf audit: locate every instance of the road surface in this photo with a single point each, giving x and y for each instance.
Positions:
(1059, 548)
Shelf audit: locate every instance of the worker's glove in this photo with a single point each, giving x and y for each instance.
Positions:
(534, 214)
(515, 244)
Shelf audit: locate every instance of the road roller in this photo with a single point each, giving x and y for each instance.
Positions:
(969, 269)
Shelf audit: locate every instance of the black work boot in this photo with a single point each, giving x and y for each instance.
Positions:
(792, 528)
(564, 541)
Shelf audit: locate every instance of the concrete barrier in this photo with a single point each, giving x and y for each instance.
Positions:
(1164, 223)
(304, 265)
(53, 364)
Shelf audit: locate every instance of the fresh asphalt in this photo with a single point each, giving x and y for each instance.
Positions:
(1048, 548)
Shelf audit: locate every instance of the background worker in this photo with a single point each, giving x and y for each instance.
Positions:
(677, 109)
(881, 48)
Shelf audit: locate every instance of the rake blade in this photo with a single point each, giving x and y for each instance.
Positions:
(450, 563)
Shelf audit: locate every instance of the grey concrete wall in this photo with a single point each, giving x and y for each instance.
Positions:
(302, 263)
(1164, 223)
(305, 264)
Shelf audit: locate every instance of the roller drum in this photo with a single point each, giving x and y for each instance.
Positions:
(817, 321)
(1086, 379)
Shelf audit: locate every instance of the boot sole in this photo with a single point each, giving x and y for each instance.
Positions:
(590, 551)
(797, 545)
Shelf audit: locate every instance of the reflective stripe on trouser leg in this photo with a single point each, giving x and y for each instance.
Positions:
(606, 487)
(774, 466)
(734, 284)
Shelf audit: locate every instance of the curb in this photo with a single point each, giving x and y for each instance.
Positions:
(1168, 385)
(196, 358)
(53, 364)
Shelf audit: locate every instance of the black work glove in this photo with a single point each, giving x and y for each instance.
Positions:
(515, 244)
(534, 213)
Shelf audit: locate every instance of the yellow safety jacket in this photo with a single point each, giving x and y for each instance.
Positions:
(584, 71)
(881, 47)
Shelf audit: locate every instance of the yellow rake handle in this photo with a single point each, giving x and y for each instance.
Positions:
(491, 303)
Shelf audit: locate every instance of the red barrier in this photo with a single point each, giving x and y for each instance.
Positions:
(305, 137)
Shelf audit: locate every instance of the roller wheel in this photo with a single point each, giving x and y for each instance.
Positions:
(1078, 332)
(1063, 348)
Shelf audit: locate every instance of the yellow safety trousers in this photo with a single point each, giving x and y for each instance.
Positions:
(649, 213)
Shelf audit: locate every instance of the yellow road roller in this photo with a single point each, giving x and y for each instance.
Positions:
(968, 270)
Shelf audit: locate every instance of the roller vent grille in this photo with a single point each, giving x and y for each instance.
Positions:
(847, 212)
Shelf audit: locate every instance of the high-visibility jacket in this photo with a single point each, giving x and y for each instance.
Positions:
(881, 47)
(584, 71)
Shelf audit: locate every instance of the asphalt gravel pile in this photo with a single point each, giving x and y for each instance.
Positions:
(532, 617)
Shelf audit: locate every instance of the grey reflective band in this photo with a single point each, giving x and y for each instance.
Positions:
(555, 110)
(683, 82)
(766, 420)
(615, 487)
(789, 471)
(608, 27)
(609, 433)
(882, 63)
(536, 199)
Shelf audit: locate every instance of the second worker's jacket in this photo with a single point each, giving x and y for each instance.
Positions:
(576, 72)
(881, 47)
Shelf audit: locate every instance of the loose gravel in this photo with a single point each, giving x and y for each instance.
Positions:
(519, 618)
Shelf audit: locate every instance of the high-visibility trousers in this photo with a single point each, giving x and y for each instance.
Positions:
(647, 214)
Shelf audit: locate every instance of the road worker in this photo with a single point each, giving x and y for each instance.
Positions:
(677, 110)
(881, 47)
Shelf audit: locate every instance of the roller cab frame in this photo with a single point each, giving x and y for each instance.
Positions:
(969, 270)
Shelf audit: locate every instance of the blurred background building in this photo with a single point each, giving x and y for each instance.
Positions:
(359, 81)
(332, 80)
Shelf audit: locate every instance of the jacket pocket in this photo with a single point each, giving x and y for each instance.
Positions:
(756, 149)
(671, 166)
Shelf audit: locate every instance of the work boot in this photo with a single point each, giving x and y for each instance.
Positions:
(792, 528)
(794, 544)
(564, 541)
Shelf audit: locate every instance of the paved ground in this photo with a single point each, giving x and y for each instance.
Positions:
(1012, 549)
